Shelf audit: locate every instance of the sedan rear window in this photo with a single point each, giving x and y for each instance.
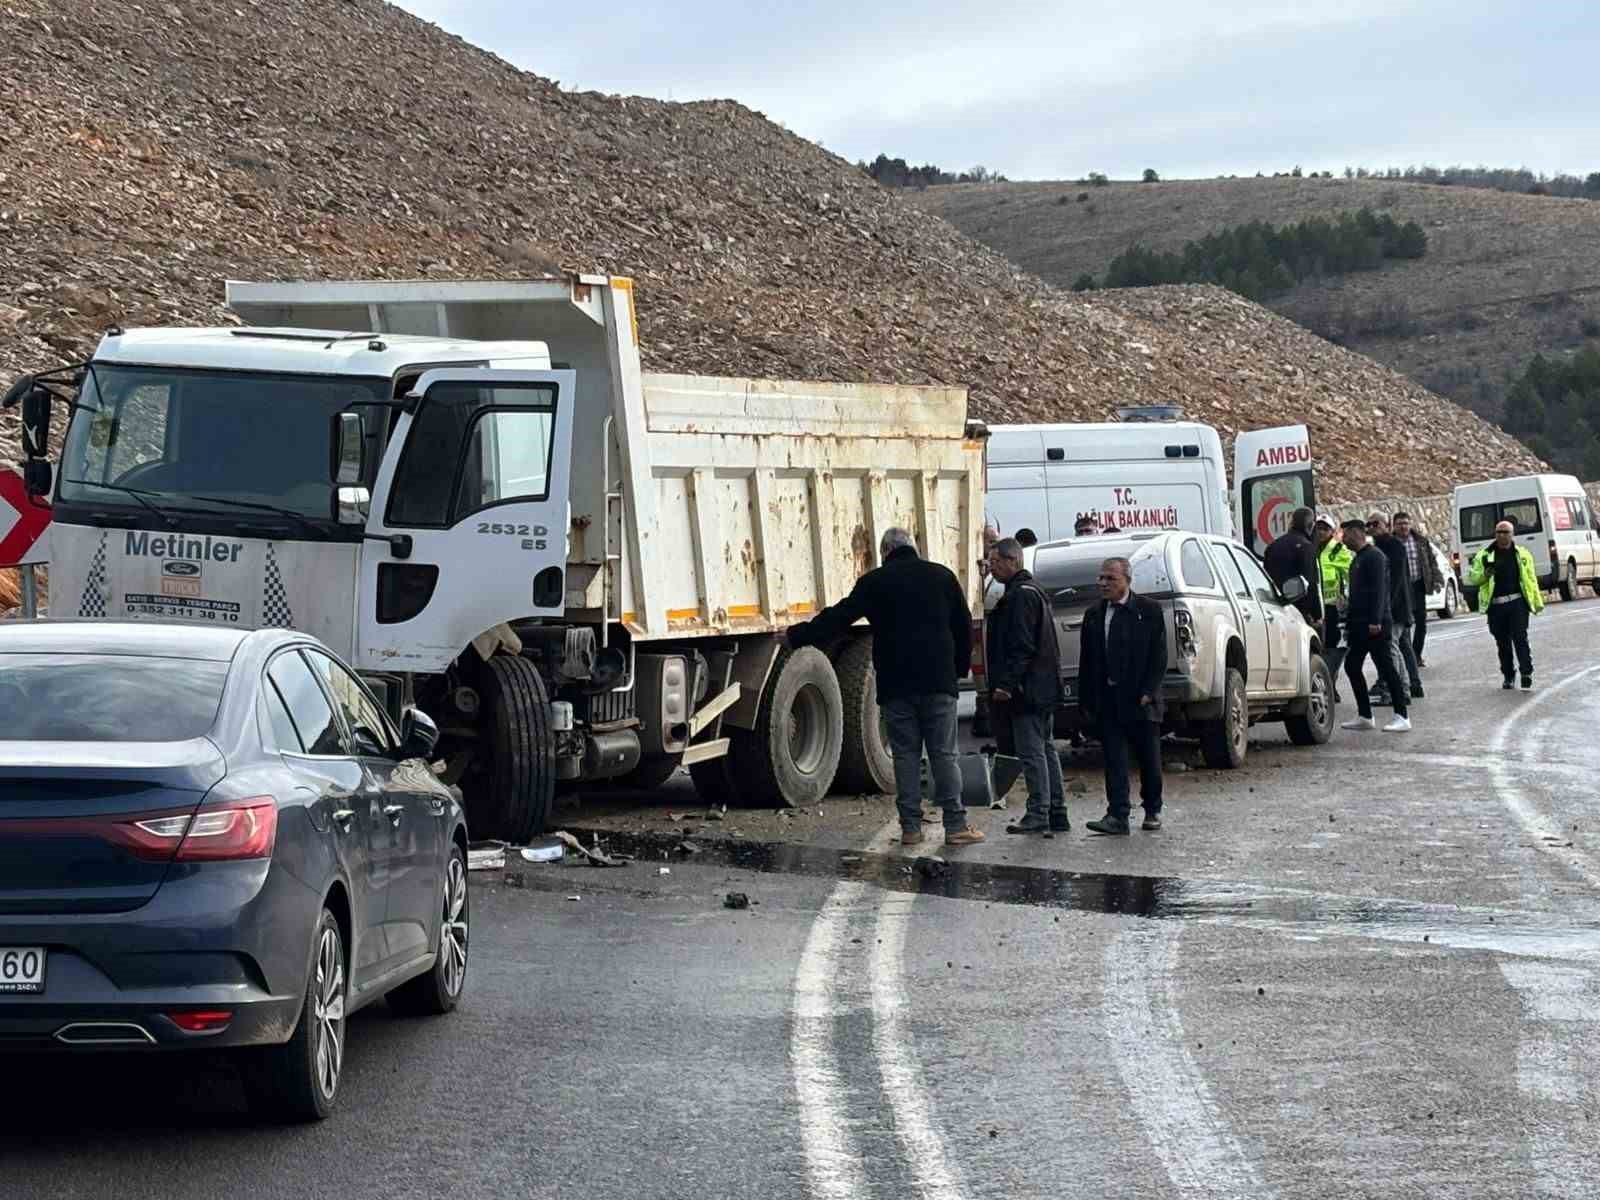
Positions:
(107, 697)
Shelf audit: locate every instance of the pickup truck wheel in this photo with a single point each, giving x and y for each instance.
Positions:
(1452, 600)
(1315, 726)
(510, 790)
(1223, 742)
(1569, 582)
(866, 765)
(792, 755)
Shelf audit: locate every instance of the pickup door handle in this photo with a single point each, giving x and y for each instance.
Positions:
(436, 805)
(342, 817)
(394, 812)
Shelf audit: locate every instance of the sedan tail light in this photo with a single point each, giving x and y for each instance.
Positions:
(211, 1020)
(216, 832)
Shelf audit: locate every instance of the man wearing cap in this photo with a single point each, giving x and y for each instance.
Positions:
(1333, 568)
(1508, 590)
(1368, 620)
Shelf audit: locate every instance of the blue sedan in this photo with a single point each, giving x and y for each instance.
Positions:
(214, 838)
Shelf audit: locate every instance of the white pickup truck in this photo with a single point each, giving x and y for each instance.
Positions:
(472, 491)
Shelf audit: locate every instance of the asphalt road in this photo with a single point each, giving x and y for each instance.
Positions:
(1367, 969)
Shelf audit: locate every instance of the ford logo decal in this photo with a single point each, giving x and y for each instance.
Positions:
(180, 568)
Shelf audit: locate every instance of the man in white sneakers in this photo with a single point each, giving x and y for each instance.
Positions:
(1368, 627)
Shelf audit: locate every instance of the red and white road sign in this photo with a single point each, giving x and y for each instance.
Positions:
(23, 523)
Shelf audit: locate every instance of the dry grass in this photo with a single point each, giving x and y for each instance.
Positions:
(1505, 275)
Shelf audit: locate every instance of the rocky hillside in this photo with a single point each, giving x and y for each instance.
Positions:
(148, 152)
(1505, 275)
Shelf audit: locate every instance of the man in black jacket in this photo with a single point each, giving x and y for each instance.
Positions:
(1122, 660)
(1024, 665)
(921, 646)
(1368, 621)
(1296, 554)
(1405, 654)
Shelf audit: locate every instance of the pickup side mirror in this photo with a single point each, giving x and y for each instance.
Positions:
(1294, 589)
(349, 448)
(418, 734)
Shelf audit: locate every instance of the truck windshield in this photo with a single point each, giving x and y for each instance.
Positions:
(178, 435)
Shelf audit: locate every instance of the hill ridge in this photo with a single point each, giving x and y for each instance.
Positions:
(146, 156)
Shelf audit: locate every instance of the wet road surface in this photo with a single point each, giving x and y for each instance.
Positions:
(1365, 969)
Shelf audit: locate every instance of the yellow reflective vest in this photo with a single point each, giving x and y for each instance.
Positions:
(1334, 560)
(1480, 574)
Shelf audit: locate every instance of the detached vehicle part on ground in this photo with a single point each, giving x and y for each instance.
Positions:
(1238, 650)
(472, 492)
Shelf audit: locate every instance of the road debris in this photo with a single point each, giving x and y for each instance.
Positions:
(596, 857)
(736, 900)
(663, 870)
(574, 897)
(486, 856)
(544, 850)
(514, 879)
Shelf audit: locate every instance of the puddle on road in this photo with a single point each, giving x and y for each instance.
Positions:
(1247, 905)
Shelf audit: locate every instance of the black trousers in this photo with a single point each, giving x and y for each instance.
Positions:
(1380, 647)
(1142, 736)
(1509, 624)
(1419, 616)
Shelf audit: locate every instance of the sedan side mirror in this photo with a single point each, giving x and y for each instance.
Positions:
(1294, 589)
(418, 734)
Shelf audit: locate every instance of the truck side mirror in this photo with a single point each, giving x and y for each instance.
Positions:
(349, 448)
(351, 505)
(36, 402)
(37, 477)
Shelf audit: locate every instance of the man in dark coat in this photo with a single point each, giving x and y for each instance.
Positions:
(1367, 627)
(1121, 663)
(1405, 654)
(921, 647)
(1024, 663)
(1295, 553)
(1422, 573)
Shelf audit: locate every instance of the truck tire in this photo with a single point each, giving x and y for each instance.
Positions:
(1314, 726)
(792, 755)
(510, 789)
(653, 771)
(713, 778)
(866, 765)
(1223, 742)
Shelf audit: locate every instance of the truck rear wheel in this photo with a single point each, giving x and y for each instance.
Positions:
(866, 764)
(792, 755)
(510, 789)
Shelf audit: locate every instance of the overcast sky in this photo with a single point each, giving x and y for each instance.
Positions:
(1045, 89)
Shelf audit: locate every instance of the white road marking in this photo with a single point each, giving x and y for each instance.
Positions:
(833, 1164)
(1560, 1039)
(1169, 1093)
(1547, 833)
(935, 1176)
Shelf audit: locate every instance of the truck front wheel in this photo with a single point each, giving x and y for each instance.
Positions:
(792, 755)
(510, 788)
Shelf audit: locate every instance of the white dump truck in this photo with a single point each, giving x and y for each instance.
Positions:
(472, 491)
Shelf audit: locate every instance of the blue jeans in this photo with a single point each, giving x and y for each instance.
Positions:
(915, 722)
(1034, 736)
